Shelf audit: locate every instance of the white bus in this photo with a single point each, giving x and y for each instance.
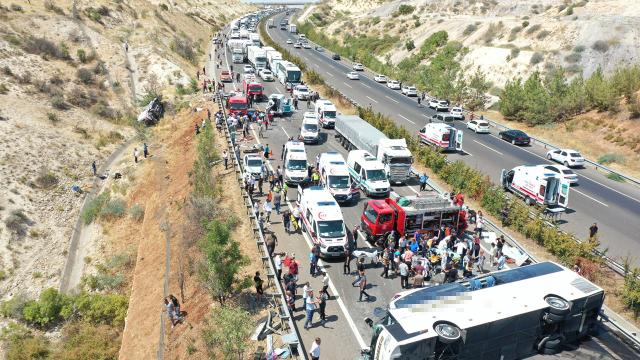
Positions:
(509, 314)
(288, 72)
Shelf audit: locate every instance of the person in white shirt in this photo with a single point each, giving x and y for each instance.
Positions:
(461, 246)
(277, 261)
(314, 353)
(479, 224)
(267, 207)
(305, 291)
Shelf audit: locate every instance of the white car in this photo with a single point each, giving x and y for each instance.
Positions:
(358, 67)
(297, 45)
(457, 113)
(564, 172)
(439, 105)
(394, 85)
(306, 45)
(568, 157)
(380, 78)
(248, 69)
(309, 115)
(266, 75)
(289, 41)
(409, 90)
(253, 165)
(301, 92)
(353, 75)
(478, 126)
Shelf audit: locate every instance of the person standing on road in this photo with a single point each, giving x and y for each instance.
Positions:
(593, 231)
(325, 284)
(346, 267)
(225, 157)
(314, 353)
(94, 168)
(419, 102)
(310, 307)
(423, 181)
(404, 274)
(286, 221)
(363, 287)
(258, 283)
(385, 264)
(277, 261)
(479, 224)
(135, 155)
(277, 198)
(145, 150)
(322, 305)
(360, 266)
(271, 240)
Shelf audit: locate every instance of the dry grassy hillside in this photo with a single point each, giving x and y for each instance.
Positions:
(67, 98)
(506, 38)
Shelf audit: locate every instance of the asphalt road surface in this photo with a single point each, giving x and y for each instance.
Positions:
(345, 332)
(614, 206)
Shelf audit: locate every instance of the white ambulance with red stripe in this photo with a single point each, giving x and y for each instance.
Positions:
(322, 220)
(334, 176)
(442, 136)
(537, 185)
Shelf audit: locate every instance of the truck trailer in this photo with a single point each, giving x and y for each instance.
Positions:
(355, 133)
(257, 57)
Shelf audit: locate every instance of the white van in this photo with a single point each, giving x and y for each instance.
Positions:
(368, 173)
(327, 113)
(295, 162)
(310, 129)
(322, 219)
(334, 175)
(442, 136)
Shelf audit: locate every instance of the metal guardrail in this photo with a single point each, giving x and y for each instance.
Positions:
(284, 314)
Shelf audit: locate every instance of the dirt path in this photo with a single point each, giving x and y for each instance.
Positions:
(82, 235)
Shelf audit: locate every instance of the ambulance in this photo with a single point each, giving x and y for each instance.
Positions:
(295, 162)
(537, 185)
(322, 220)
(368, 173)
(326, 112)
(442, 136)
(334, 176)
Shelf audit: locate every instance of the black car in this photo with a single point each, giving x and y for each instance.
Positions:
(335, 56)
(516, 137)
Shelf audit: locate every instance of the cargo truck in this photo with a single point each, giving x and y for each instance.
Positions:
(293, 29)
(273, 57)
(257, 57)
(271, 23)
(255, 39)
(355, 133)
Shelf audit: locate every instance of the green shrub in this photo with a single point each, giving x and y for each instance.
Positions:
(573, 58)
(514, 53)
(185, 47)
(137, 212)
(22, 344)
(43, 47)
(543, 34)
(114, 208)
(82, 340)
(579, 48)
(94, 207)
(405, 9)
(102, 281)
(108, 309)
(53, 118)
(525, 24)
(3, 89)
(51, 308)
(409, 45)
(491, 33)
(533, 29)
(46, 180)
(17, 222)
(615, 177)
(82, 56)
(49, 5)
(611, 158)
(600, 46)
(630, 293)
(228, 331)
(13, 307)
(85, 76)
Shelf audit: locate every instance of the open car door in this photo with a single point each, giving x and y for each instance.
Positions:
(459, 140)
(563, 193)
(503, 178)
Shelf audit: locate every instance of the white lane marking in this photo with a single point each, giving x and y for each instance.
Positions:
(363, 84)
(374, 100)
(584, 176)
(330, 74)
(583, 194)
(285, 131)
(394, 100)
(425, 115)
(349, 86)
(406, 119)
(304, 57)
(341, 304)
(490, 148)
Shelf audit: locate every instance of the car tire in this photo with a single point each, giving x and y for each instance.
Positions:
(513, 142)
(528, 201)
(566, 164)
(549, 157)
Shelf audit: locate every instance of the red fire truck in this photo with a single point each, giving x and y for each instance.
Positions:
(253, 88)
(407, 215)
(237, 104)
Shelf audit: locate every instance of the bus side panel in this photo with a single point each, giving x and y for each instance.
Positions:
(584, 314)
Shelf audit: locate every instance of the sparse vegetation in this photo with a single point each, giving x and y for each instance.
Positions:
(137, 212)
(184, 47)
(409, 45)
(514, 53)
(543, 34)
(114, 208)
(227, 331)
(94, 207)
(533, 29)
(492, 31)
(573, 58)
(59, 103)
(51, 6)
(611, 158)
(536, 58)
(470, 29)
(600, 46)
(43, 47)
(405, 9)
(3, 89)
(46, 179)
(17, 222)
(85, 76)
(53, 118)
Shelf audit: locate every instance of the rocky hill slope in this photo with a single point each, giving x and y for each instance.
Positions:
(505, 38)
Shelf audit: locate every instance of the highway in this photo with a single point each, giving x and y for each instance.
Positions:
(345, 332)
(614, 206)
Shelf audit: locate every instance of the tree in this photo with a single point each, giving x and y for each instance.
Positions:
(223, 260)
(477, 87)
(227, 331)
(512, 100)
(536, 99)
(600, 93)
(410, 45)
